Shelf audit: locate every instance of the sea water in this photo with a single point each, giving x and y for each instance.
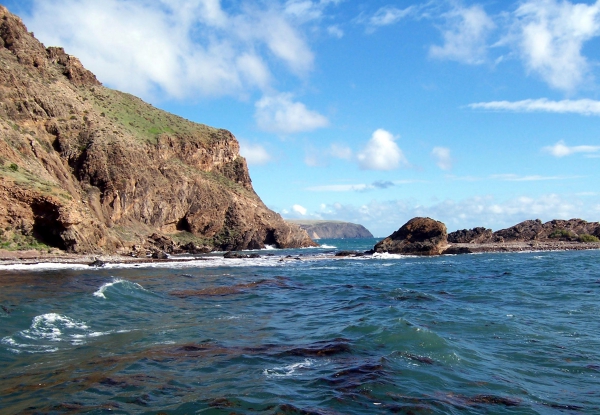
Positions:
(303, 332)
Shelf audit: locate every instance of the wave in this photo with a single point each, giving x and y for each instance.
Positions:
(47, 332)
(289, 370)
(128, 285)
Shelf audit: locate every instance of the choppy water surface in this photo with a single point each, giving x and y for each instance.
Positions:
(475, 334)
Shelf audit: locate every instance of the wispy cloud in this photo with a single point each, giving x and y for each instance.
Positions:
(442, 157)
(281, 114)
(560, 149)
(378, 185)
(581, 106)
(531, 178)
(388, 15)
(550, 35)
(178, 48)
(465, 35)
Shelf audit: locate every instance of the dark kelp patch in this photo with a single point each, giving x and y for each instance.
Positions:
(221, 291)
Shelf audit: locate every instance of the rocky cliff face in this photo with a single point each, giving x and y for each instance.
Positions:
(88, 169)
(332, 229)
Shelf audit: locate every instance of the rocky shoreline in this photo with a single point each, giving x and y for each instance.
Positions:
(31, 257)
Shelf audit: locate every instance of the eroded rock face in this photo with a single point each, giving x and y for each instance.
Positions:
(88, 169)
(419, 236)
(535, 230)
(475, 235)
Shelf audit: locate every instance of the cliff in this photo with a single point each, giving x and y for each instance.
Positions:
(88, 169)
(317, 229)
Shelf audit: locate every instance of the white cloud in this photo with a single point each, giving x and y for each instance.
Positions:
(280, 114)
(255, 154)
(531, 178)
(180, 48)
(389, 15)
(550, 35)
(381, 153)
(299, 209)
(360, 187)
(335, 31)
(581, 106)
(465, 37)
(383, 218)
(560, 149)
(442, 157)
(306, 10)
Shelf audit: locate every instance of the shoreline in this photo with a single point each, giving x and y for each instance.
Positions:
(32, 257)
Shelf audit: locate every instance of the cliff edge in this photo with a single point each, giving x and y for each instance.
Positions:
(87, 169)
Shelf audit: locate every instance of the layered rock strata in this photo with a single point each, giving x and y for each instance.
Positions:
(87, 169)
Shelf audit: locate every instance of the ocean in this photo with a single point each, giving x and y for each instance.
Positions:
(302, 332)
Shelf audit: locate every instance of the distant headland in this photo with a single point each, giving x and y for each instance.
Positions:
(329, 229)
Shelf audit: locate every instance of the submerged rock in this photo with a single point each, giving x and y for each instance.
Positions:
(419, 236)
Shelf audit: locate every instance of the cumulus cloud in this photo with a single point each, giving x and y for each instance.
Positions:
(300, 209)
(255, 154)
(181, 48)
(281, 114)
(465, 35)
(442, 157)
(381, 153)
(580, 106)
(382, 218)
(560, 149)
(550, 35)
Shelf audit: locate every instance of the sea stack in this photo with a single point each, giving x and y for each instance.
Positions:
(419, 236)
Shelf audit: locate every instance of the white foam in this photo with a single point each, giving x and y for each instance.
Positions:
(289, 370)
(328, 246)
(100, 292)
(385, 255)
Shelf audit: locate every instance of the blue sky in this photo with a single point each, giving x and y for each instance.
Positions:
(475, 113)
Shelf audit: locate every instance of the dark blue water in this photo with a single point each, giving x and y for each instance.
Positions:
(473, 334)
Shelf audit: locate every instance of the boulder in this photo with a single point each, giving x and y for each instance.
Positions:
(419, 236)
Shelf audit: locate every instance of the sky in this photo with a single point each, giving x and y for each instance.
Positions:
(474, 113)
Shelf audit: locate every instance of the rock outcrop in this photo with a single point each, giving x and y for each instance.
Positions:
(419, 236)
(322, 229)
(425, 236)
(87, 169)
(475, 235)
(529, 230)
